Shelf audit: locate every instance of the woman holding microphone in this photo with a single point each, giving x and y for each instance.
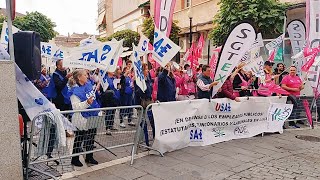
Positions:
(83, 97)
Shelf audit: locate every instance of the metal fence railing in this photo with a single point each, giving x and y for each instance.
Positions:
(95, 130)
(103, 130)
(299, 113)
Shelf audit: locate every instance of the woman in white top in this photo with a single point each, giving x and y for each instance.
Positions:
(83, 97)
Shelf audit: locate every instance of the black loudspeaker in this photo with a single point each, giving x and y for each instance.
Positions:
(27, 53)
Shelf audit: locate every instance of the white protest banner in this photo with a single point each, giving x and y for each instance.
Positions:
(88, 41)
(48, 50)
(201, 122)
(4, 55)
(277, 114)
(5, 34)
(163, 15)
(313, 74)
(254, 50)
(143, 45)
(297, 35)
(239, 41)
(103, 79)
(60, 53)
(314, 34)
(256, 66)
(163, 48)
(138, 72)
(33, 101)
(91, 56)
(112, 67)
(275, 43)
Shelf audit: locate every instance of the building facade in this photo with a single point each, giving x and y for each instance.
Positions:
(115, 15)
(201, 16)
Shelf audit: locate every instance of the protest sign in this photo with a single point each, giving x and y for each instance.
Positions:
(163, 15)
(276, 43)
(239, 41)
(143, 45)
(201, 122)
(48, 50)
(254, 51)
(297, 35)
(256, 66)
(91, 56)
(277, 114)
(5, 34)
(163, 48)
(88, 41)
(112, 67)
(138, 72)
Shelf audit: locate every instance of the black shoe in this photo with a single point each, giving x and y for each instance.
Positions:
(76, 162)
(92, 161)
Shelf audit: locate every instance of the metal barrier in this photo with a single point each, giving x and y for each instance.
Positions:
(299, 113)
(102, 130)
(147, 128)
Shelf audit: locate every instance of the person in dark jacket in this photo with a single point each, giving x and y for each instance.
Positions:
(166, 85)
(205, 83)
(126, 92)
(60, 79)
(227, 91)
(110, 98)
(145, 96)
(241, 84)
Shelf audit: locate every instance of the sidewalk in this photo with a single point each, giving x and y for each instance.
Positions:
(273, 156)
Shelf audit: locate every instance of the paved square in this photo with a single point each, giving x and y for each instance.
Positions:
(273, 156)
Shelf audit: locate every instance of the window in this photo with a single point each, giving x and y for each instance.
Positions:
(187, 3)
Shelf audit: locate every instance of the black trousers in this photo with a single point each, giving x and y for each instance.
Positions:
(84, 139)
(109, 119)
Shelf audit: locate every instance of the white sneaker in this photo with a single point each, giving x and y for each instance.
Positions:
(131, 124)
(122, 125)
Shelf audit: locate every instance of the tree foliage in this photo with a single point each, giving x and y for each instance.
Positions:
(266, 16)
(148, 30)
(37, 22)
(127, 35)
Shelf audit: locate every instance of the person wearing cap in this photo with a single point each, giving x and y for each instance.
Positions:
(269, 79)
(43, 82)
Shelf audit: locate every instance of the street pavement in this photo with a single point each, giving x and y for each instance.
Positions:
(273, 156)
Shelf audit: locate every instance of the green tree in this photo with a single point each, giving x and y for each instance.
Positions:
(37, 22)
(266, 16)
(2, 18)
(127, 35)
(148, 30)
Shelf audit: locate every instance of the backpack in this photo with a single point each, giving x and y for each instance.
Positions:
(52, 91)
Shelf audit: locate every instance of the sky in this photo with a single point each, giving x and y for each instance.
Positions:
(70, 16)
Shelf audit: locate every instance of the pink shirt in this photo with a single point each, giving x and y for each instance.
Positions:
(292, 82)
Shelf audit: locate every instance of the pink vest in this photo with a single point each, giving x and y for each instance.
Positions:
(264, 89)
(243, 83)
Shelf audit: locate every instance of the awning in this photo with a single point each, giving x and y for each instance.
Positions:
(101, 17)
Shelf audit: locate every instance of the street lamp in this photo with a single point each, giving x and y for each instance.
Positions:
(190, 15)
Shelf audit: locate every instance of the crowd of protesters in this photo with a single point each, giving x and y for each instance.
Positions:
(81, 89)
